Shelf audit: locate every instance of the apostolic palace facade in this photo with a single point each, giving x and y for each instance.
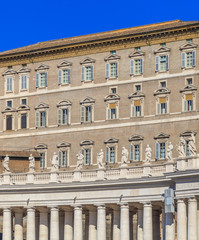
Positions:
(112, 119)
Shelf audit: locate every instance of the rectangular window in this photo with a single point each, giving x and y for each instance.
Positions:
(113, 70)
(9, 122)
(23, 82)
(110, 154)
(134, 152)
(138, 66)
(136, 109)
(9, 84)
(86, 114)
(113, 90)
(9, 104)
(87, 155)
(42, 79)
(42, 160)
(40, 118)
(187, 151)
(137, 88)
(162, 150)
(189, 81)
(23, 120)
(188, 103)
(63, 158)
(24, 101)
(66, 76)
(188, 59)
(62, 116)
(112, 111)
(162, 106)
(163, 63)
(88, 73)
(163, 84)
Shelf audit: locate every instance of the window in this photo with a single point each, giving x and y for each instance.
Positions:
(23, 82)
(134, 152)
(63, 116)
(187, 150)
(113, 90)
(42, 160)
(188, 59)
(86, 114)
(163, 84)
(63, 158)
(87, 155)
(160, 150)
(136, 108)
(162, 105)
(23, 120)
(190, 40)
(9, 84)
(162, 63)
(110, 154)
(137, 48)
(9, 103)
(112, 70)
(23, 101)
(188, 103)
(8, 122)
(189, 81)
(138, 88)
(41, 79)
(163, 44)
(87, 73)
(41, 119)
(136, 66)
(113, 52)
(64, 76)
(42, 150)
(112, 111)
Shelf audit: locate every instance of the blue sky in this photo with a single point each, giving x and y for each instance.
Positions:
(27, 22)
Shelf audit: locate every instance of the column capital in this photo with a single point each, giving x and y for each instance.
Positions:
(102, 206)
(30, 209)
(181, 200)
(6, 209)
(192, 199)
(76, 207)
(54, 208)
(147, 203)
(124, 205)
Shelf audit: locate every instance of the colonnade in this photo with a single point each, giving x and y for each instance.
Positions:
(152, 223)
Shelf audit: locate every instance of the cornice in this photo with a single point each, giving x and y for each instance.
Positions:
(97, 46)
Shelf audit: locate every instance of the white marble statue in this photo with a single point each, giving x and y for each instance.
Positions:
(31, 163)
(181, 147)
(192, 145)
(148, 152)
(6, 164)
(170, 152)
(100, 157)
(54, 162)
(125, 155)
(80, 161)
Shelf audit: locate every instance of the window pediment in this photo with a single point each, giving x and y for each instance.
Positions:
(162, 91)
(64, 64)
(42, 105)
(42, 67)
(188, 88)
(63, 145)
(22, 108)
(111, 140)
(136, 54)
(24, 70)
(64, 103)
(187, 133)
(136, 94)
(162, 50)
(41, 146)
(9, 109)
(87, 60)
(136, 138)
(87, 100)
(112, 96)
(9, 72)
(188, 46)
(86, 142)
(112, 57)
(161, 136)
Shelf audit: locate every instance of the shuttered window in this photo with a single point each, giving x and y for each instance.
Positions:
(24, 120)
(23, 82)
(188, 59)
(9, 84)
(87, 155)
(86, 114)
(110, 154)
(134, 152)
(62, 116)
(112, 111)
(63, 158)
(42, 160)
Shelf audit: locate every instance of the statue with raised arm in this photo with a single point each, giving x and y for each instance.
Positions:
(125, 155)
(192, 145)
(31, 163)
(80, 161)
(6, 164)
(54, 162)
(181, 147)
(170, 152)
(100, 157)
(148, 152)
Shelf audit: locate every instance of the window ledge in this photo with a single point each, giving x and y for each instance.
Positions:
(112, 78)
(162, 71)
(23, 90)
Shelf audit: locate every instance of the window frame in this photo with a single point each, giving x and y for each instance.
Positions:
(133, 107)
(87, 145)
(110, 143)
(6, 83)
(159, 104)
(108, 112)
(20, 82)
(158, 62)
(184, 101)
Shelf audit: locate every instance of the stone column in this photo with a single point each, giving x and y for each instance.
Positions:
(181, 220)
(101, 222)
(92, 232)
(170, 226)
(78, 229)
(7, 228)
(68, 224)
(192, 219)
(124, 222)
(54, 223)
(116, 223)
(18, 232)
(43, 224)
(140, 224)
(30, 223)
(147, 222)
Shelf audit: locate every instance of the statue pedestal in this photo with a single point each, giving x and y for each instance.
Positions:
(123, 170)
(30, 177)
(6, 178)
(146, 169)
(170, 166)
(181, 163)
(53, 176)
(77, 175)
(100, 173)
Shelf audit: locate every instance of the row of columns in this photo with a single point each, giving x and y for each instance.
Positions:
(148, 224)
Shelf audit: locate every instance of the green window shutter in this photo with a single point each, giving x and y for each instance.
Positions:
(193, 59)
(90, 114)
(92, 73)
(141, 66)
(46, 79)
(107, 70)
(69, 75)
(157, 63)
(82, 113)
(60, 153)
(82, 74)
(37, 119)
(185, 105)
(107, 154)
(59, 116)
(109, 114)
(159, 108)
(60, 76)
(37, 80)
(167, 62)
(131, 67)
(133, 111)
(131, 153)
(116, 67)
(165, 107)
(183, 59)
(156, 150)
